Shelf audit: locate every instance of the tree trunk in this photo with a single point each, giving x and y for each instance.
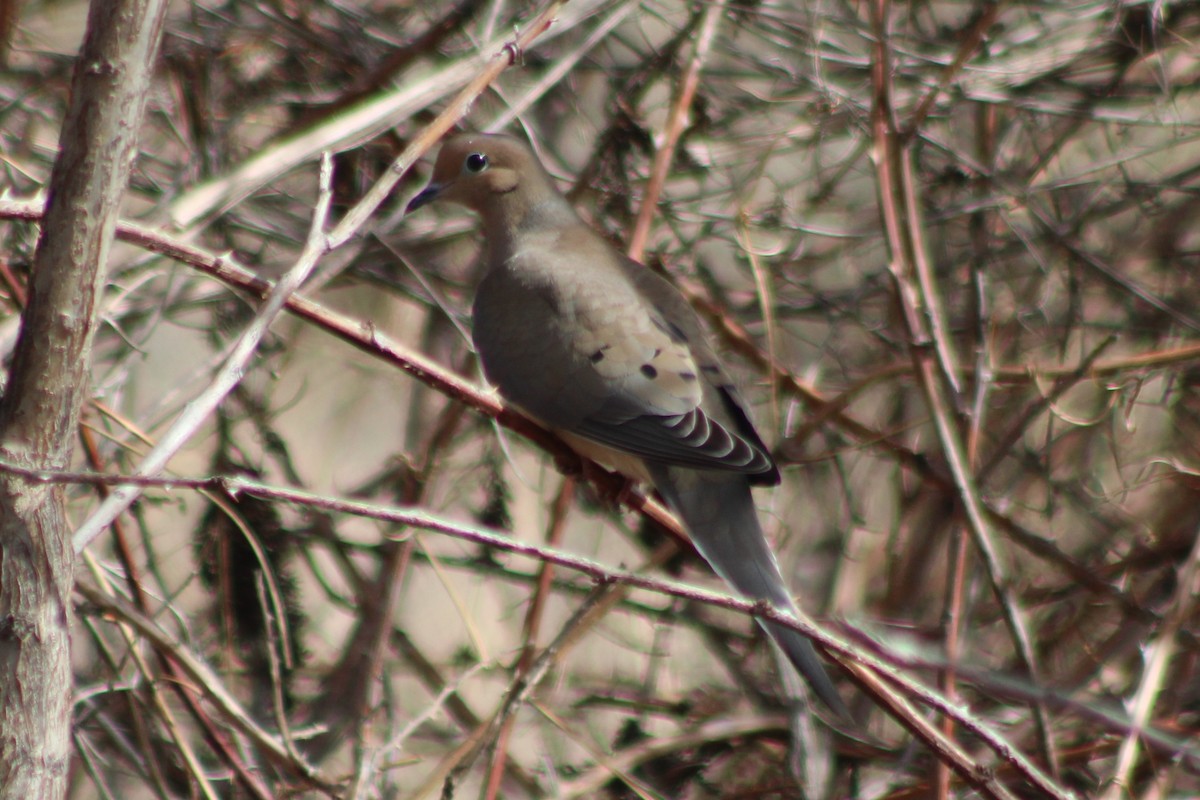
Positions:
(47, 384)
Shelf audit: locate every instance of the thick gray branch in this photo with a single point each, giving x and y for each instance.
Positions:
(47, 385)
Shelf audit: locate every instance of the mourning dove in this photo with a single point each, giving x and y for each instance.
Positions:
(610, 355)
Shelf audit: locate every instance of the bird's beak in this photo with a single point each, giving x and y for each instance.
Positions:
(426, 196)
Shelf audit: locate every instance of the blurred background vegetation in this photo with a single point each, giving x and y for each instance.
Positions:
(965, 236)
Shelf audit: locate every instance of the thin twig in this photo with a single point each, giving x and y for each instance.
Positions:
(230, 374)
(212, 686)
(529, 631)
(931, 353)
(664, 156)
(1158, 657)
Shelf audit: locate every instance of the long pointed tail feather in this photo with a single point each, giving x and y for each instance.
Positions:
(718, 510)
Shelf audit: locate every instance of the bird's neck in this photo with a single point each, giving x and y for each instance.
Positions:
(515, 216)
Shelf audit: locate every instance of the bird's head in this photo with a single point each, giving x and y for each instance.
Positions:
(476, 170)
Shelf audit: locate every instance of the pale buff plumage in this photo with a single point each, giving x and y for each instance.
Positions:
(609, 354)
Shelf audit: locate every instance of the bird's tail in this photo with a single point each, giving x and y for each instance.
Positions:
(718, 511)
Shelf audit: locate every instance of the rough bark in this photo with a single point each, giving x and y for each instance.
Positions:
(47, 384)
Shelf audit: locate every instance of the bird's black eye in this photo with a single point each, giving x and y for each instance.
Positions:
(477, 162)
